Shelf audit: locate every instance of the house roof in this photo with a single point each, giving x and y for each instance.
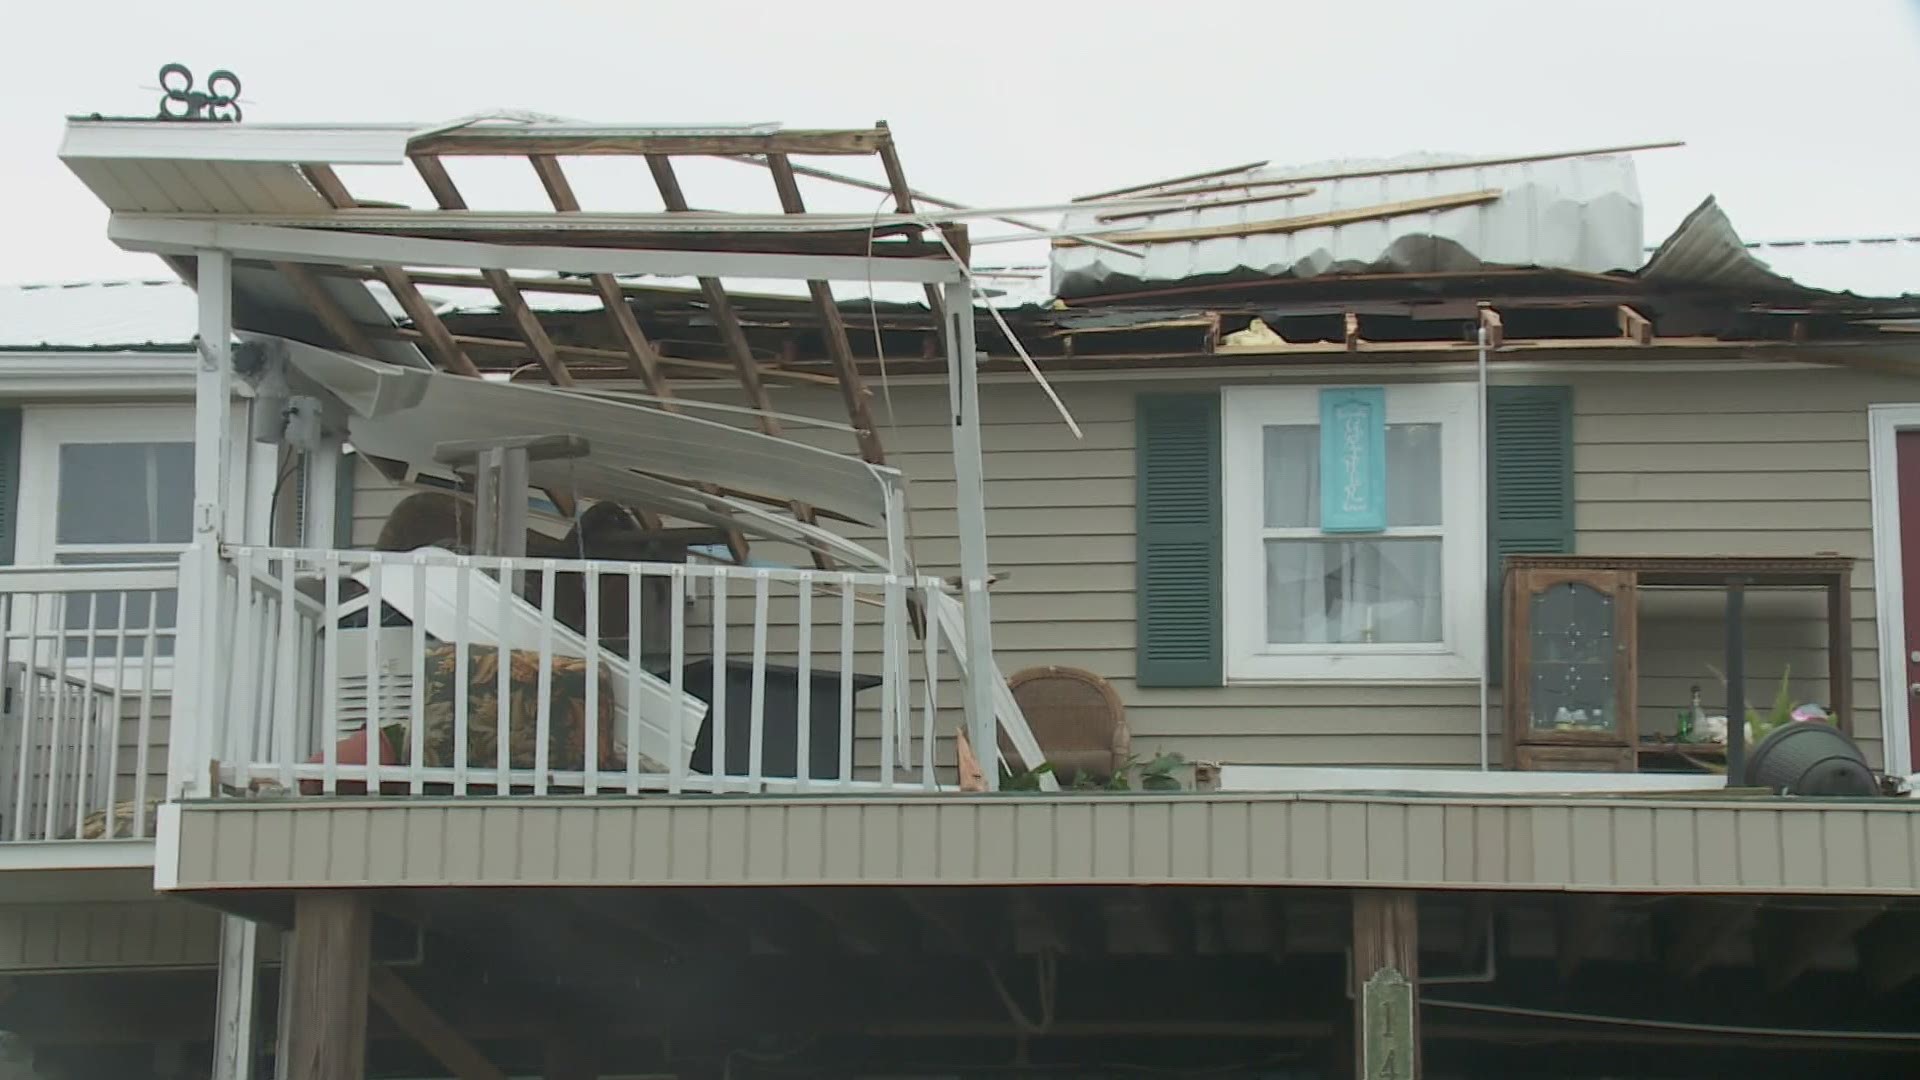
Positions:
(102, 316)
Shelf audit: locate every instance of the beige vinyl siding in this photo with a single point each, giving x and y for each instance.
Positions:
(1750, 462)
(1553, 844)
(68, 937)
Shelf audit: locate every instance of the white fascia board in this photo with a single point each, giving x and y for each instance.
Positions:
(28, 375)
(76, 855)
(1299, 779)
(296, 144)
(169, 235)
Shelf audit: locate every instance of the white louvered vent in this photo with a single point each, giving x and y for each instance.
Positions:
(393, 651)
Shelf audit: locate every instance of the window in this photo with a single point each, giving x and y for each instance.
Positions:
(107, 484)
(1400, 603)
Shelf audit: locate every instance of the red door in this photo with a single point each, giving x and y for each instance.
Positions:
(1908, 464)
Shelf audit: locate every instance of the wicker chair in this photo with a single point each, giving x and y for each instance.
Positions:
(1076, 717)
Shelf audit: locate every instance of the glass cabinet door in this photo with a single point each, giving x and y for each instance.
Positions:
(1572, 661)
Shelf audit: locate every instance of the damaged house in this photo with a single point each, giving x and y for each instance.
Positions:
(1290, 626)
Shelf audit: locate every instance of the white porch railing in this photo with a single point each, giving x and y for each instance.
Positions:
(623, 677)
(85, 653)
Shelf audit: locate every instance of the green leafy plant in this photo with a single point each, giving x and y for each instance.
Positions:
(1760, 725)
(1157, 774)
(1025, 779)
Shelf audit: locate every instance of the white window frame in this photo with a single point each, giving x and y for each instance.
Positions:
(1250, 658)
(44, 429)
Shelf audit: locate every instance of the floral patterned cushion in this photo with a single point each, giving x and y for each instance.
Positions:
(567, 712)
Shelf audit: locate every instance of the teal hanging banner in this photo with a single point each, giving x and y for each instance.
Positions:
(1353, 459)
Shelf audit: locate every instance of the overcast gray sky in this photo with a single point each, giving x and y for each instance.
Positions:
(1797, 115)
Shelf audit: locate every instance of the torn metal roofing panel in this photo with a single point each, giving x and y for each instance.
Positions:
(1706, 252)
(1581, 214)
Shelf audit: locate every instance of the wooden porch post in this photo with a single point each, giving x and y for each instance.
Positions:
(1386, 977)
(327, 1013)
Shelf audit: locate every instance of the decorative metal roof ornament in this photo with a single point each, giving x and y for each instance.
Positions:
(219, 101)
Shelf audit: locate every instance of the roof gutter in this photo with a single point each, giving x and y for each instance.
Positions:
(65, 375)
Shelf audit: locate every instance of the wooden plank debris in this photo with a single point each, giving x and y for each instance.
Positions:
(1634, 326)
(1211, 204)
(1211, 174)
(1399, 170)
(1496, 329)
(1299, 223)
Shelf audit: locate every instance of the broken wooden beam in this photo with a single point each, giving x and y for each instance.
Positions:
(1209, 204)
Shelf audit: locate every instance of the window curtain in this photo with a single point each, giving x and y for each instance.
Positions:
(1352, 590)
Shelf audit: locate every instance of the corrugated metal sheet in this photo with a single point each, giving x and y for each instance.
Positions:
(1574, 214)
(1706, 251)
(1552, 844)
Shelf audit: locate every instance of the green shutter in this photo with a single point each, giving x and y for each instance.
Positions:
(9, 481)
(1177, 530)
(1529, 486)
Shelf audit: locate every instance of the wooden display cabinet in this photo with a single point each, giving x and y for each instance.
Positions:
(1571, 669)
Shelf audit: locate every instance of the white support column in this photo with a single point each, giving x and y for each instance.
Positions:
(213, 393)
(197, 705)
(213, 511)
(963, 389)
(896, 635)
(322, 495)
